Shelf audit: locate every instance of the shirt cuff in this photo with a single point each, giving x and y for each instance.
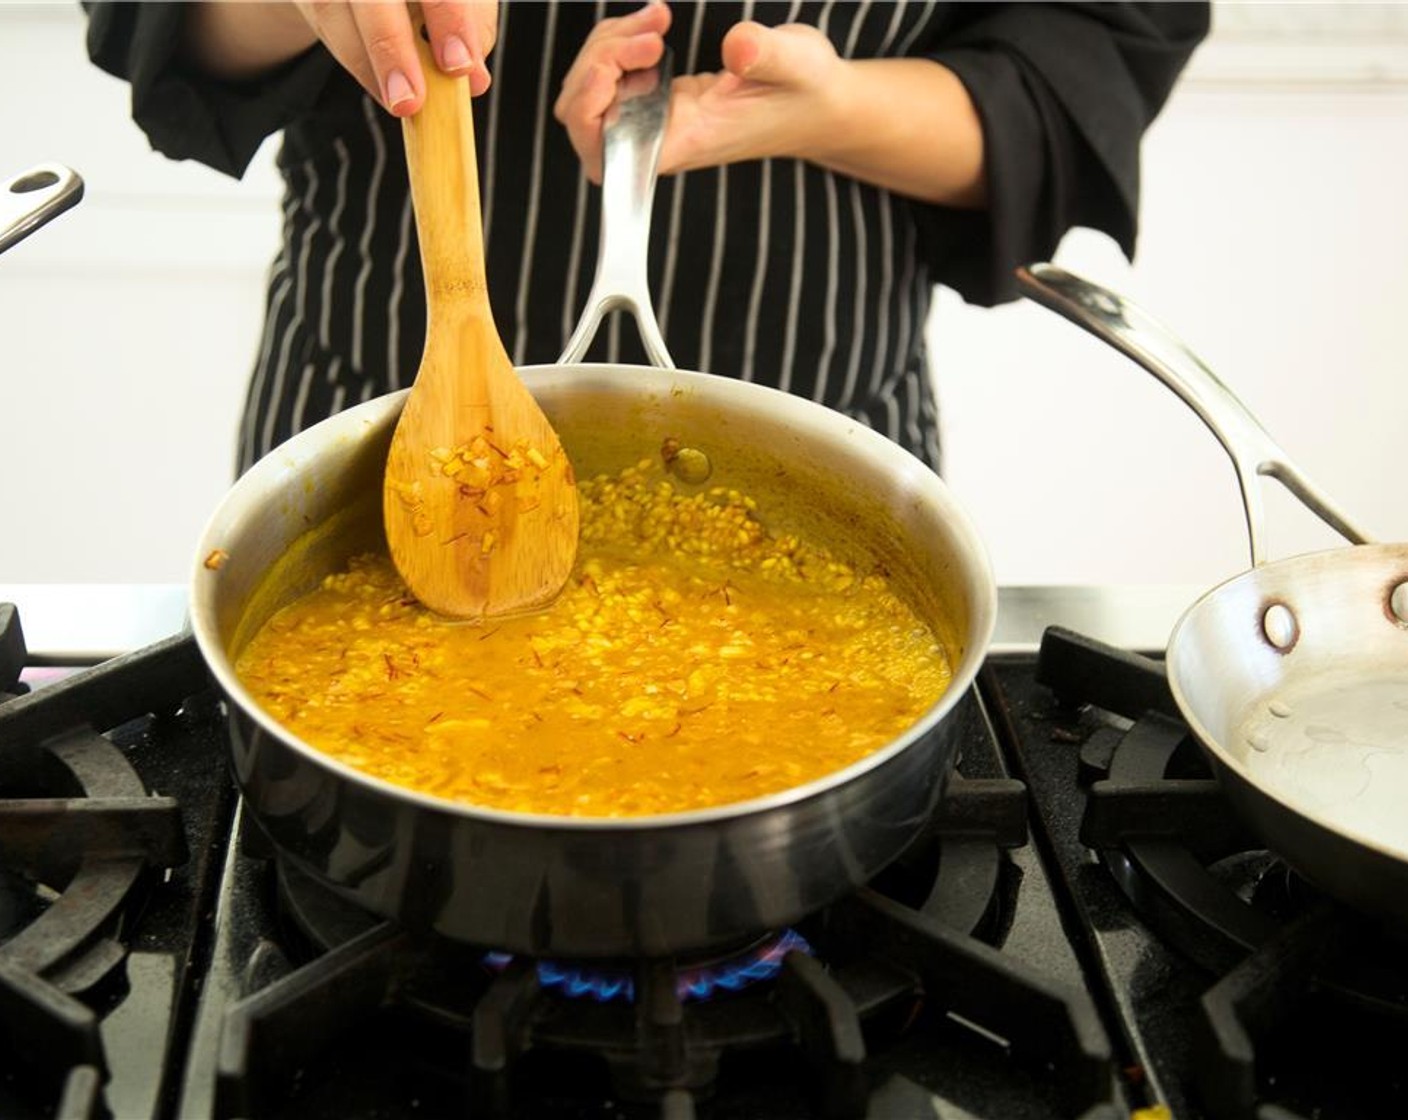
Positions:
(189, 115)
(975, 251)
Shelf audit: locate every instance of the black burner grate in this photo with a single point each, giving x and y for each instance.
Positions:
(83, 845)
(1277, 947)
(920, 942)
(662, 1053)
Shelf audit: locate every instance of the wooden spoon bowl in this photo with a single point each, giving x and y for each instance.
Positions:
(480, 501)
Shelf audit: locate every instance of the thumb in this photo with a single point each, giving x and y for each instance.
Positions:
(767, 54)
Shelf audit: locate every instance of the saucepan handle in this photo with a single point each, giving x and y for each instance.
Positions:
(633, 133)
(34, 197)
(1138, 335)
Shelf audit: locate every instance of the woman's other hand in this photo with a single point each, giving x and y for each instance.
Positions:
(764, 102)
(375, 42)
(905, 124)
(614, 48)
(772, 99)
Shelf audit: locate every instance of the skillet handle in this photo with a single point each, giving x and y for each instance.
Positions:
(34, 197)
(1138, 335)
(631, 141)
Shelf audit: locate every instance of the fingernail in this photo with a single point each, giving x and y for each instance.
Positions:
(398, 89)
(455, 53)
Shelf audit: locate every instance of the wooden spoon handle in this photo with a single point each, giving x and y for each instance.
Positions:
(440, 158)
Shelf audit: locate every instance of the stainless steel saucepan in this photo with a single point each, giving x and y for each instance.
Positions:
(567, 887)
(1293, 675)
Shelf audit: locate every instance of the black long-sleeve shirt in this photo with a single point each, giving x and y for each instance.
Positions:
(777, 270)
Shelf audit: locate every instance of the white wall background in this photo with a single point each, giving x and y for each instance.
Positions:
(1275, 240)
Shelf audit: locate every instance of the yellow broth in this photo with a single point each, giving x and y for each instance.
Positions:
(694, 659)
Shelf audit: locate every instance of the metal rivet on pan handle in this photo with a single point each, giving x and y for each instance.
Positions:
(1279, 627)
(1398, 603)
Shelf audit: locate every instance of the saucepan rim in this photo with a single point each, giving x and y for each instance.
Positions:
(270, 474)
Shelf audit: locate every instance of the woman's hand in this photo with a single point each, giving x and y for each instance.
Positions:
(762, 104)
(375, 42)
(773, 98)
(905, 124)
(614, 48)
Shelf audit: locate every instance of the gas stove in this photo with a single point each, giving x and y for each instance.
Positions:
(1034, 954)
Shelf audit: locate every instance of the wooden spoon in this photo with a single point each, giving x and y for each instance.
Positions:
(480, 503)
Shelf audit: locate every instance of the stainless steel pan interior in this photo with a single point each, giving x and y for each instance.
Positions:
(597, 887)
(1293, 675)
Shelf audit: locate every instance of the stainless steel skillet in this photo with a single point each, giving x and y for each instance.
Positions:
(1293, 675)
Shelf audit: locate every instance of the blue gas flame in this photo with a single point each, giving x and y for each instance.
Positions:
(604, 984)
